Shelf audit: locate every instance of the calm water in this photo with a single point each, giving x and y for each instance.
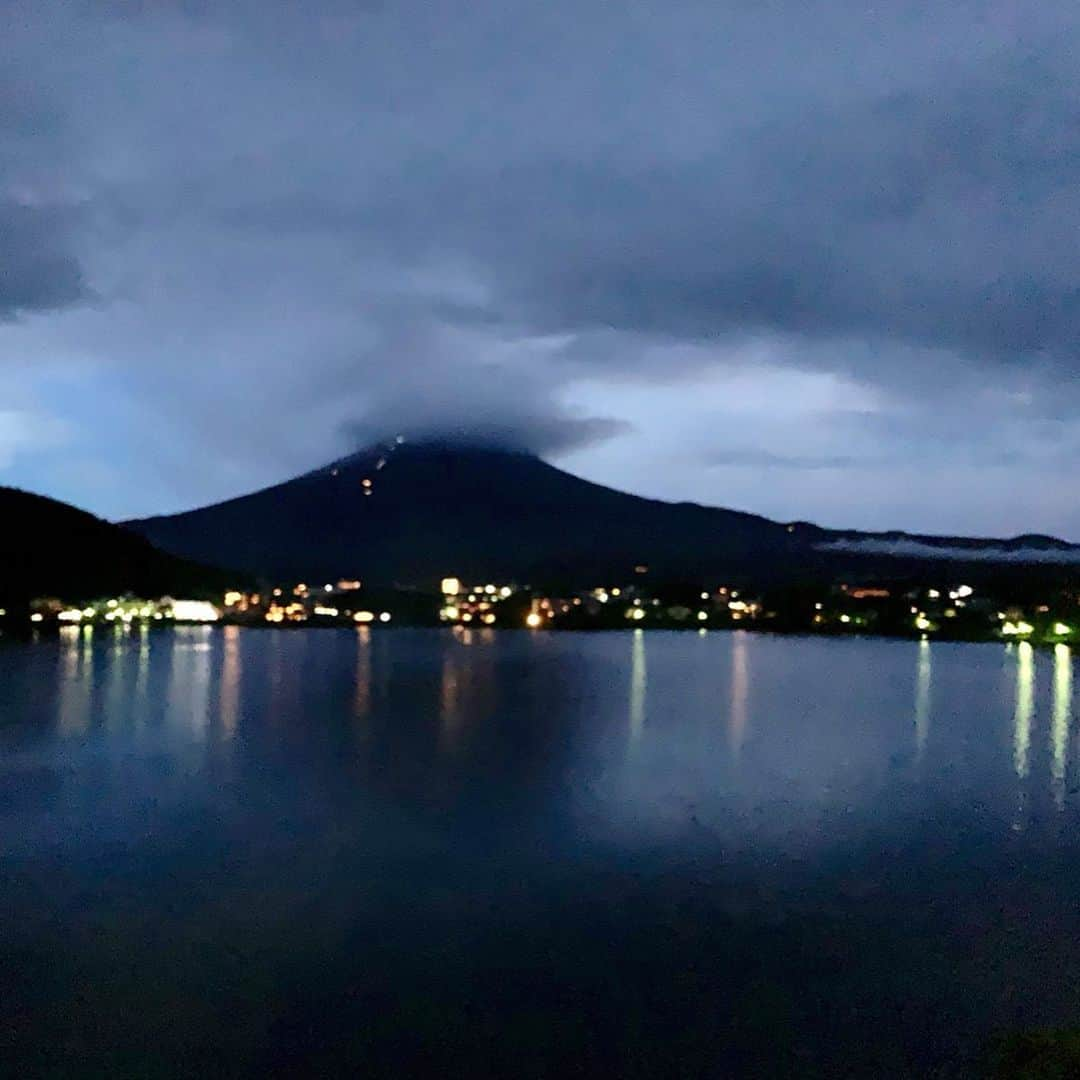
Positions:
(342, 853)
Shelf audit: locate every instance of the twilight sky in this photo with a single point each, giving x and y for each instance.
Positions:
(816, 260)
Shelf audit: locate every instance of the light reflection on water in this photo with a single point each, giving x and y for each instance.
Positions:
(638, 684)
(922, 698)
(143, 672)
(450, 720)
(740, 687)
(76, 679)
(1061, 718)
(362, 696)
(455, 774)
(195, 676)
(229, 689)
(1025, 707)
(188, 694)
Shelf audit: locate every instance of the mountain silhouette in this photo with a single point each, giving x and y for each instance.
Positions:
(48, 548)
(411, 514)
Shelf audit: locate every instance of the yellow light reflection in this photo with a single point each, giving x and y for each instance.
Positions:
(1025, 707)
(229, 691)
(362, 698)
(1062, 716)
(450, 717)
(638, 677)
(922, 697)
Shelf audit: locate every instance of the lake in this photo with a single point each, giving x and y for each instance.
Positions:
(411, 852)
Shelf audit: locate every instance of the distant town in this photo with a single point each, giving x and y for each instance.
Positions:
(945, 609)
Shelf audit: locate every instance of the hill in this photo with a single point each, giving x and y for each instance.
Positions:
(48, 548)
(411, 514)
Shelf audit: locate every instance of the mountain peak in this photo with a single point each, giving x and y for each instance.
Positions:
(429, 449)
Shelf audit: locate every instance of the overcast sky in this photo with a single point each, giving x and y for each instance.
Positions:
(814, 260)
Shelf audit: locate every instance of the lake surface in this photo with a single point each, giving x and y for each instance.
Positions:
(272, 852)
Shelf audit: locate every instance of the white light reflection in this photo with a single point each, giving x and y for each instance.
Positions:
(922, 698)
(740, 685)
(637, 684)
(1025, 707)
(188, 698)
(1062, 716)
(117, 659)
(142, 672)
(76, 679)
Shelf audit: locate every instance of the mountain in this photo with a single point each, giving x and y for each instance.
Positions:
(412, 514)
(48, 548)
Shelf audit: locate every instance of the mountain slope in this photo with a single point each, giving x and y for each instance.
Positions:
(48, 548)
(478, 513)
(412, 514)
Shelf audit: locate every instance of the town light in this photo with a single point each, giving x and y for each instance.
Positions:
(384, 616)
(1061, 629)
(533, 620)
(194, 611)
(364, 617)
(451, 586)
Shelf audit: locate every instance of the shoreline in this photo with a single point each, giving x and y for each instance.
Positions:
(51, 631)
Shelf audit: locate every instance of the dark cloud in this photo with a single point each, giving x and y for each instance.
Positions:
(37, 272)
(767, 459)
(456, 393)
(516, 222)
(937, 217)
(520, 431)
